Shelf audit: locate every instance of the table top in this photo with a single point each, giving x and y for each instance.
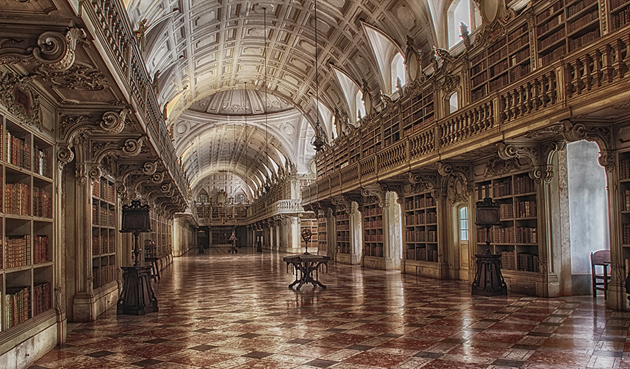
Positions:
(305, 257)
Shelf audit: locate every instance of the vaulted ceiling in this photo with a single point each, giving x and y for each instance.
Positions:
(207, 53)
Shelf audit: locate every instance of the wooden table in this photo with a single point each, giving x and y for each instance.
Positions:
(306, 268)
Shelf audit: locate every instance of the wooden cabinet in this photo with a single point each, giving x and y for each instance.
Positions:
(26, 235)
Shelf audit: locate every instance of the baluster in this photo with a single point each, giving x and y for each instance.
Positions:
(588, 71)
(608, 63)
(553, 87)
(528, 97)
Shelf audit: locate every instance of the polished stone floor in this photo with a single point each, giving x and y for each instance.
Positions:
(221, 310)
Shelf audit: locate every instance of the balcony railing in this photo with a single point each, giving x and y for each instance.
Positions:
(111, 26)
(582, 79)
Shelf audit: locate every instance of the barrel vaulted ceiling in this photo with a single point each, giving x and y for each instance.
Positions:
(205, 53)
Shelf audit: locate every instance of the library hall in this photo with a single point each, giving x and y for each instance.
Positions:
(348, 184)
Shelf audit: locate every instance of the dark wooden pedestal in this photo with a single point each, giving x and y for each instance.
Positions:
(489, 280)
(137, 297)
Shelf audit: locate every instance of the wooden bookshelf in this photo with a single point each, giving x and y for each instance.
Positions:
(417, 111)
(370, 139)
(420, 217)
(391, 126)
(342, 226)
(372, 228)
(566, 26)
(26, 216)
(312, 225)
(516, 239)
(619, 13)
(322, 235)
(104, 219)
(519, 55)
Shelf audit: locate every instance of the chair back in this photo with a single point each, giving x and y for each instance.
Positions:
(600, 257)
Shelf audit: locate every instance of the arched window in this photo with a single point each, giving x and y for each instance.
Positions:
(463, 223)
(453, 103)
(360, 105)
(398, 71)
(458, 12)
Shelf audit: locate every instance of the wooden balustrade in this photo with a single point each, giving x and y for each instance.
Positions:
(109, 19)
(594, 67)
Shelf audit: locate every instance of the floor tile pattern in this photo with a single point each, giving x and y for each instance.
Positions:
(220, 310)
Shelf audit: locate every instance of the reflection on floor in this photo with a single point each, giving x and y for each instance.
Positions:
(220, 310)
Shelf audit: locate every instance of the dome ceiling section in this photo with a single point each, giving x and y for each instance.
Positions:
(206, 142)
(223, 42)
(240, 102)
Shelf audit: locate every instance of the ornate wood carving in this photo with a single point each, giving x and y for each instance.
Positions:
(600, 133)
(456, 182)
(54, 51)
(20, 99)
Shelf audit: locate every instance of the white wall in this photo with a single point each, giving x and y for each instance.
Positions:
(588, 210)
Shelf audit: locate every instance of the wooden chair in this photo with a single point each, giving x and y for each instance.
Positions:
(600, 258)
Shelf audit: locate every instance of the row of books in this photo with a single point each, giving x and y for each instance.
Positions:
(42, 203)
(374, 251)
(525, 261)
(498, 235)
(18, 151)
(549, 11)
(498, 83)
(17, 199)
(520, 42)
(18, 305)
(506, 211)
(103, 216)
(419, 202)
(40, 162)
(526, 235)
(524, 184)
(575, 43)
(421, 218)
(18, 251)
(42, 295)
(621, 19)
(502, 188)
(373, 237)
(104, 190)
(102, 244)
(372, 224)
(342, 216)
(551, 23)
(625, 233)
(556, 54)
(520, 70)
(103, 275)
(344, 249)
(617, 3)
(343, 227)
(525, 209)
(584, 20)
(624, 169)
(578, 6)
(416, 236)
(422, 254)
(373, 211)
(343, 238)
(40, 249)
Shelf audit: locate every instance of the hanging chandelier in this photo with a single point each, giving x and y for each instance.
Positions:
(319, 140)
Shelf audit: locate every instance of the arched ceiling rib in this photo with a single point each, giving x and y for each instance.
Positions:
(210, 51)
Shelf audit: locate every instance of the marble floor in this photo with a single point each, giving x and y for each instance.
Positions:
(221, 310)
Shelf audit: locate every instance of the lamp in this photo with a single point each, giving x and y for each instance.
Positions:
(318, 141)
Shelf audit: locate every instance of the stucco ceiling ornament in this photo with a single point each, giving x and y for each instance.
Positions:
(55, 51)
(77, 77)
(20, 99)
